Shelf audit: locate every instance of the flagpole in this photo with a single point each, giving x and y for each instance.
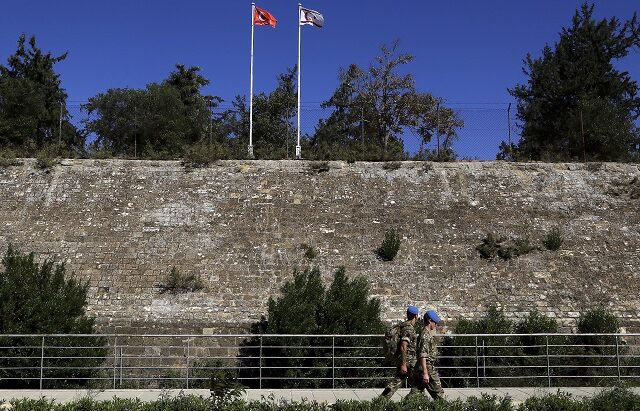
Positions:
(250, 147)
(298, 148)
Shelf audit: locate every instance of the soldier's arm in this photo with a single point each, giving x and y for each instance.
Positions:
(404, 348)
(425, 370)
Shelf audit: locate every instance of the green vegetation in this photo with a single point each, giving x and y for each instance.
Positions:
(33, 110)
(494, 246)
(43, 299)
(576, 104)
(318, 167)
(373, 106)
(618, 399)
(307, 307)
(392, 165)
(179, 283)
(309, 251)
(553, 240)
(390, 245)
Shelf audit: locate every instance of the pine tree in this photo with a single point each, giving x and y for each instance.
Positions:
(576, 104)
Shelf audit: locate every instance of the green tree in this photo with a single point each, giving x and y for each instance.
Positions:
(33, 103)
(160, 121)
(373, 107)
(307, 307)
(273, 116)
(575, 102)
(42, 299)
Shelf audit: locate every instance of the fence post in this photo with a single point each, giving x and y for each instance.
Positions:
(41, 362)
(260, 365)
(548, 363)
(115, 359)
(187, 364)
(333, 362)
(618, 358)
(121, 349)
(477, 365)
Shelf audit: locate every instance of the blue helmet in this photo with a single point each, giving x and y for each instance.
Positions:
(433, 316)
(413, 310)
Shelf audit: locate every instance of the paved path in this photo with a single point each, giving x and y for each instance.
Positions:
(320, 395)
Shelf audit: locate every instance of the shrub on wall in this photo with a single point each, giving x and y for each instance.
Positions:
(177, 282)
(390, 245)
(553, 240)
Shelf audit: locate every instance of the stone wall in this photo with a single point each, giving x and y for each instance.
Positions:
(239, 224)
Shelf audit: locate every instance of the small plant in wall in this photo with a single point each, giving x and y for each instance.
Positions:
(309, 251)
(390, 245)
(553, 240)
(179, 283)
(496, 246)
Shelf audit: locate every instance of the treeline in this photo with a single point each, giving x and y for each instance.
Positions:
(575, 106)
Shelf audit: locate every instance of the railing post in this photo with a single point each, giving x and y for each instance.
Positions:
(618, 358)
(477, 365)
(115, 359)
(121, 358)
(548, 363)
(333, 362)
(41, 362)
(187, 365)
(260, 365)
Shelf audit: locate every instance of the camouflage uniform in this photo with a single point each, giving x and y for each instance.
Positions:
(408, 334)
(427, 349)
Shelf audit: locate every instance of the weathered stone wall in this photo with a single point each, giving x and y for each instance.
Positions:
(124, 224)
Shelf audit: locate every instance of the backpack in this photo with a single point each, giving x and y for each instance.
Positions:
(391, 343)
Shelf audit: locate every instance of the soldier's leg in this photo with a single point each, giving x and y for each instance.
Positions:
(392, 387)
(417, 386)
(434, 388)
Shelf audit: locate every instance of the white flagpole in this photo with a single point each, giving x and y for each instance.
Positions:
(250, 148)
(298, 148)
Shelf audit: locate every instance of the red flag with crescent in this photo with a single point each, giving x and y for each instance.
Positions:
(263, 18)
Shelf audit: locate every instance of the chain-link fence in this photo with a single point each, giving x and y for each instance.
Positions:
(482, 128)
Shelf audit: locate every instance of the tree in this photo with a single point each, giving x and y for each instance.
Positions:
(160, 121)
(33, 110)
(373, 107)
(575, 103)
(273, 116)
(42, 299)
(307, 307)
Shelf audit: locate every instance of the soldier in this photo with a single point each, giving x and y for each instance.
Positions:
(406, 353)
(425, 374)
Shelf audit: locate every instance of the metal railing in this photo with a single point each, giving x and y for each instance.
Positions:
(314, 361)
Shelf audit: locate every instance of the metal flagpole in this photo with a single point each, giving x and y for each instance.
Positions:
(298, 149)
(250, 148)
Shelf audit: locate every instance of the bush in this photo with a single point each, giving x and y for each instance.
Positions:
(553, 240)
(318, 167)
(203, 154)
(179, 283)
(8, 158)
(42, 299)
(48, 157)
(392, 165)
(309, 251)
(493, 246)
(390, 245)
(307, 307)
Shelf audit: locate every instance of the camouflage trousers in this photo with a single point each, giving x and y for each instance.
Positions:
(395, 384)
(434, 387)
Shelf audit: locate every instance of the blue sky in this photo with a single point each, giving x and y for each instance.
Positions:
(465, 51)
